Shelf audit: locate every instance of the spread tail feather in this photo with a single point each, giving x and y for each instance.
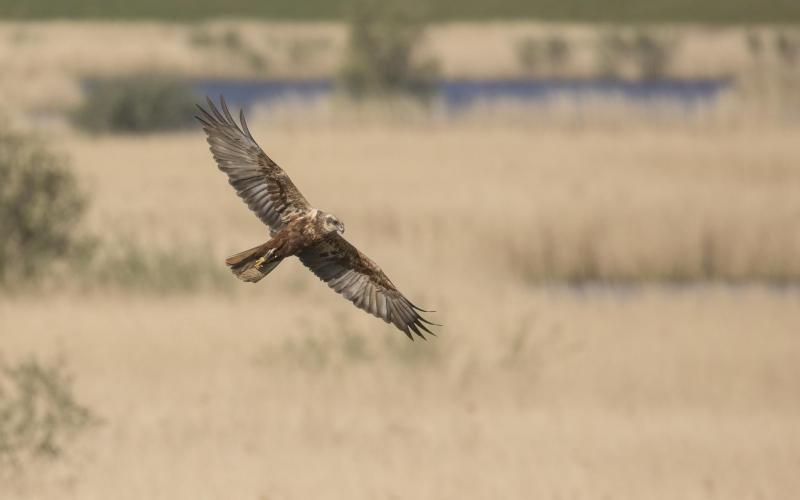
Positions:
(246, 266)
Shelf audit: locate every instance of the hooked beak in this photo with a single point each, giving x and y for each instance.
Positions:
(341, 228)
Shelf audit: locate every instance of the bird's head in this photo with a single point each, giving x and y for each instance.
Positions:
(330, 224)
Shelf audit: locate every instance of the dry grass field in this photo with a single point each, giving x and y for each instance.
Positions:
(618, 285)
(284, 391)
(659, 394)
(518, 203)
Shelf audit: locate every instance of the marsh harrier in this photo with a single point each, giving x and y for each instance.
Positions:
(297, 228)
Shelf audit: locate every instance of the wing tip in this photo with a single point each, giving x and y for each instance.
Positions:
(219, 117)
(418, 308)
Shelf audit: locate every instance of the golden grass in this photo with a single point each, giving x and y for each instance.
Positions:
(526, 204)
(658, 394)
(284, 391)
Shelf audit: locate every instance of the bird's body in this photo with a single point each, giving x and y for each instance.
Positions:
(298, 229)
(297, 235)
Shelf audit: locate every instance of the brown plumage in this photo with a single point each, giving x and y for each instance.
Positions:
(299, 229)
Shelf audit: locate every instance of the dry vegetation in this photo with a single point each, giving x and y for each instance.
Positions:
(652, 395)
(678, 380)
(624, 203)
(283, 390)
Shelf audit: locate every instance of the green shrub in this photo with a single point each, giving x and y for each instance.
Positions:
(143, 103)
(38, 411)
(41, 207)
(382, 53)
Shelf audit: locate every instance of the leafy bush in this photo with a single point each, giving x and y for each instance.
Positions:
(40, 208)
(38, 412)
(381, 57)
(143, 103)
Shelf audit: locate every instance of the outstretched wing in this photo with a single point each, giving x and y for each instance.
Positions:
(258, 180)
(351, 273)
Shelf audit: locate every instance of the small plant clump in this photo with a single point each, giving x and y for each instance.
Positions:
(39, 414)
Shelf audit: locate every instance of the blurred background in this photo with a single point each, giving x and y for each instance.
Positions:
(600, 199)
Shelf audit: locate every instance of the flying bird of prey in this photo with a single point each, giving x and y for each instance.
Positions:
(297, 228)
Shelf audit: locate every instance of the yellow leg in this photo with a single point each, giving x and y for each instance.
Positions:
(263, 259)
(260, 262)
